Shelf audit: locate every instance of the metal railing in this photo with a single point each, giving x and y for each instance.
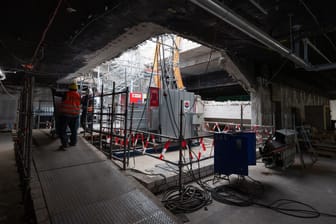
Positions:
(108, 119)
(113, 133)
(23, 139)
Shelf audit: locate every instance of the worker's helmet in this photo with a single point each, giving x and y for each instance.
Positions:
(88, 91)
(73, 86)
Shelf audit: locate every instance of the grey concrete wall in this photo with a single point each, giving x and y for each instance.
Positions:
(295, 98)
(264, 96)
(8, 111)
(41, 94)
(261, 105)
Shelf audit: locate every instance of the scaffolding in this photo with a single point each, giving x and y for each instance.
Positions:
(23, 137)
(120, 129)
(115, 131)
(43, 114)
(103, 123)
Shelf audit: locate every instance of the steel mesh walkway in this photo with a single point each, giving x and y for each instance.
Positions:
(80, 186)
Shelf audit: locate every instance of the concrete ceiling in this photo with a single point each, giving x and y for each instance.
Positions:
(199, 60)
(85, 33)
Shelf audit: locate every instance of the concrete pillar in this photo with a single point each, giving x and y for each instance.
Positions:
(261, 104)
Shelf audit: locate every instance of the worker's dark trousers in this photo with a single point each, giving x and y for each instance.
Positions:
(73, 123)
(86, 118)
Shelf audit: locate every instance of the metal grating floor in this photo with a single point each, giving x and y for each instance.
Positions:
(80, 186)
(71, 187)
(47, 156)
(132, 207)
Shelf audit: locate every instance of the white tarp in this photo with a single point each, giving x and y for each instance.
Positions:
(333, 109)
(8, 111)
(227, 110)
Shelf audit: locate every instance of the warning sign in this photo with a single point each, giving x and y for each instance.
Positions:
(186, 104)
(136, 98)
(154, 97)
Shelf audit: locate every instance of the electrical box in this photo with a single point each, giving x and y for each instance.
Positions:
(251, 146)
(197, 118)
(169, 112)
(233, 153)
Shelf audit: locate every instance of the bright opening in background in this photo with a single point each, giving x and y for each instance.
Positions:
(135, 64)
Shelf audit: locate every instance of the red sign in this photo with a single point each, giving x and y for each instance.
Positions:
(136, 98)
(154, 96)
(186, 105)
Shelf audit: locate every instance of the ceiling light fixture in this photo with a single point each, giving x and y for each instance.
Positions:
(2, 75)
(71, 10)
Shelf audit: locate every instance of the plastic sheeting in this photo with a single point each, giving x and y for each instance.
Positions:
(227, 110)
(333, 109)
(8, 111)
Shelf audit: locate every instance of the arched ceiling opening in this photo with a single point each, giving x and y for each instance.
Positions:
(85, 33)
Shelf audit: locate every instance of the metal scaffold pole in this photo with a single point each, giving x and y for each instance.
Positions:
(101, 117)
(30, 121)
(180, 164)
(112, 122)
(23, 142)
(130, 134)
(86, 111)
(125, 129)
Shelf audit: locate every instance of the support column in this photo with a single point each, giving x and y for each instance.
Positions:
(261, 104)
(244, 78)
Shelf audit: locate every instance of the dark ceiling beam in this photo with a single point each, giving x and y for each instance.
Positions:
(209, 80)
(254, 32)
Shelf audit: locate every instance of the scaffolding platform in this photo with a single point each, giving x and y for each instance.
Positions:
(80, 185)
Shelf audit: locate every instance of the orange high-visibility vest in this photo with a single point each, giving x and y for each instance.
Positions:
(71, 103)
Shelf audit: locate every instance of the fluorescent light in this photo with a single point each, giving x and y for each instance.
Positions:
(2, 75)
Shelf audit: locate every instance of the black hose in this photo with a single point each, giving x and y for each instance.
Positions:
(236, 195)
(186, 200)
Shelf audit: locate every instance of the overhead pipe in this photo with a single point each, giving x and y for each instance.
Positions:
(258, 6)
(249, 29)
(307, 42)
(322, 67)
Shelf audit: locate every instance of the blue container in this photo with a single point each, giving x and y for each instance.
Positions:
(251, 146)
(231, 155)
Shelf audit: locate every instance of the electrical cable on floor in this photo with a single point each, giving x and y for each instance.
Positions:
(231, 196)
(234, 194)
(243, 192)
(243, 195)
(189, 198)
(185, 200)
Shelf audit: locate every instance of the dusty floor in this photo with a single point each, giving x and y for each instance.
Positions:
(11, 207)
(315, 185)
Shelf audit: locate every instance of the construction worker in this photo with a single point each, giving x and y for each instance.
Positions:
(69, 111)
(87, 112)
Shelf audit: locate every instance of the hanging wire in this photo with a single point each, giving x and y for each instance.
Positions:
(44, 34)
(5, 90)
(93, 20)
